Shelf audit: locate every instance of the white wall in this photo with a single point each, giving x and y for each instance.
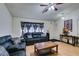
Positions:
(48, 25)
(5, 21)
(59, 25)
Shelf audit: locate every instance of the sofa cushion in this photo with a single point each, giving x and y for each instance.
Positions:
(43, 35)
(2, 40)
(36, 36)
(20, 46)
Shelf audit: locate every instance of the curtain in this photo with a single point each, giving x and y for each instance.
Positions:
(41, 27)
(28, 27)
(35, 27)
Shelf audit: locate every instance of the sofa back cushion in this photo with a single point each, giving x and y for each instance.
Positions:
(3, 39)
(36, 36)
(6, 41)
(7, 44)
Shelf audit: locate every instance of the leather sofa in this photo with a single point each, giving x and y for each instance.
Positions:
(32, 38)
(12, 48)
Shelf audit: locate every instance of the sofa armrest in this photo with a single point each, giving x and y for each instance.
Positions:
(12, 50)
(15, 48)
(23, 40)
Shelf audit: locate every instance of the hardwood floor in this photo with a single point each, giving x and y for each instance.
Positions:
(63, 50)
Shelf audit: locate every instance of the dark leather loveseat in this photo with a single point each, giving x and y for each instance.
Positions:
(12, 48)
(32, 38)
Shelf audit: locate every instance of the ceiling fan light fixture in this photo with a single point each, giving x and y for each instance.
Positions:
(49, 8)
(53, 7)
(62, 18)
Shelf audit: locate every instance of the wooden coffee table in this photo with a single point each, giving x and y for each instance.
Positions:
(38, 47)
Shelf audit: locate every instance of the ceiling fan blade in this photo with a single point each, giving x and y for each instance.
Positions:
(58, 3)
(45, 10)
(47, 7)
(43, 5)
(55, 9)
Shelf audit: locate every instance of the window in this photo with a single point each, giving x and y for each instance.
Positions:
(30, 27)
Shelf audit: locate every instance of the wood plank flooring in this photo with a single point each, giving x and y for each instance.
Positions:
(63, 50)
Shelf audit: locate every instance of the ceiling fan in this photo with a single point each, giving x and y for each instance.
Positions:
(50, 5)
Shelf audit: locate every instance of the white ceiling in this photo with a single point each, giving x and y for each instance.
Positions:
(34, 10)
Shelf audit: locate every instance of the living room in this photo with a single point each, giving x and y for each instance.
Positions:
(16, 19)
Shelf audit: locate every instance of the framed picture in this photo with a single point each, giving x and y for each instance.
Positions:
(68, 24)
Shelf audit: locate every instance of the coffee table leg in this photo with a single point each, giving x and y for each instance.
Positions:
(57, 49)
(35, 51)
(50, 50)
